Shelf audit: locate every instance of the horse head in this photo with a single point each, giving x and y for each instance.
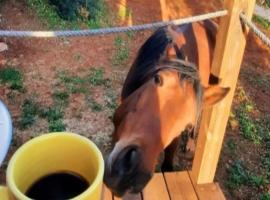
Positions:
(168, 98)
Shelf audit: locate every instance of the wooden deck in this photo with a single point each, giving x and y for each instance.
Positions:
(173, 186)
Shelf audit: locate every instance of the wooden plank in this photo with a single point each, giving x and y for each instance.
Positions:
(231, 40)
(106, 193)
(209, 191)
(4, 193)
(156, 189)
(180, 186)
(129, 197)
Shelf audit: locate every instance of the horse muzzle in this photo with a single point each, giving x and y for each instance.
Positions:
(124, 172)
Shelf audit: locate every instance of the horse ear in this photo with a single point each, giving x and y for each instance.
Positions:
(213, 94)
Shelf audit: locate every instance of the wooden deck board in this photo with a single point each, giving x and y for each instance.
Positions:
(180, 186)
(172, 186)
(106, 193)
(209, 191)
(156, 189)
(129, 197)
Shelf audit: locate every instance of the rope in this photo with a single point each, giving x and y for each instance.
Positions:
(255, 29)
(104, 31)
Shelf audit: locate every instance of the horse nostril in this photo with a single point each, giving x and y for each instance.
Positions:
(127, 161)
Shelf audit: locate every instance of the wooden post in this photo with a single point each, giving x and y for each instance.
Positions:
(231, 41)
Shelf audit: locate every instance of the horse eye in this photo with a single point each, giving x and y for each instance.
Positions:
(158, 80)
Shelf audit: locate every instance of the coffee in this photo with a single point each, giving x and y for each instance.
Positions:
(57, 186)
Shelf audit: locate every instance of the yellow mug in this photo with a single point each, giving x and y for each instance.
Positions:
(52, 153)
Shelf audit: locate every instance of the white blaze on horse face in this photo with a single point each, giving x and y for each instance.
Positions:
(177, 105)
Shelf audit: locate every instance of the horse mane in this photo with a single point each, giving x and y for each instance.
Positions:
(148, 57)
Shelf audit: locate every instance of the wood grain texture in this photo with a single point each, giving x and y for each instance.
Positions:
(156, 189)
(106, 193)
(129, 197)
(180, 186)
(231, 41)
(209, 191)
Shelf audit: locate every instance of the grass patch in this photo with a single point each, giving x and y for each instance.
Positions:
(70, 14)
(48, 14)
(261, 81)
(77, 84)
(84, 84)
(122, 51)
(131, 34)
(239, 175)
(111, 100)
(249, 128)
(95, 107)
(11, 77)
(61, 98)
(265, 124)
(96, 77)
(231, 145)
(31, 111)
(263, 22)
(54, 116)
(264, 196)
(72, 84)
(28, 114)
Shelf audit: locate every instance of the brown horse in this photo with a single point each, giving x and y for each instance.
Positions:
(163, 95)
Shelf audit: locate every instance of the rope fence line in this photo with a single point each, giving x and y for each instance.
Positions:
(255, 29)
(155, 25)
(104, 31)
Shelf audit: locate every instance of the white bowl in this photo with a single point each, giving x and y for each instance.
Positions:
(5, 131)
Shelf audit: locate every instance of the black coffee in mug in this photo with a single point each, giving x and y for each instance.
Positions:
(58, 186)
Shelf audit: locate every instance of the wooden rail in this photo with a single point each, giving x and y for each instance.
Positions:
(172, 186)
(231, 41)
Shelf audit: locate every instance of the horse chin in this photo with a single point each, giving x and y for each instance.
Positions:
(131, 183)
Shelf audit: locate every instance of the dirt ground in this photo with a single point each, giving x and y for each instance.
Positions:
(41, 59)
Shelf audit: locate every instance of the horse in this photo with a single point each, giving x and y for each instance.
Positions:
(164, 93)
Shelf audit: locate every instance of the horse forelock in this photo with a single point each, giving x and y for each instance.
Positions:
(148, 57)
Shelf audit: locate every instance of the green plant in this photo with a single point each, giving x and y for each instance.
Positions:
(54, 116)
(264, 196)
(257, 180)
(231, 145)
(48, 14)
(95, 107)
(52, 113)
(238, 175)
(28, 115)
(122, 51)
(111, 100)
(261, 81)
(68, 79)
(263, 22)
(266, 158)
(12, 77)
(56, 126)
(73, 84)
(96, 77)
(61, 97)
(249, 129)
(131, 34)
(98, 14)
(70, 13)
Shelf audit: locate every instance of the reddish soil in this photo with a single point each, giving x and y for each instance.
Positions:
(40, 59)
